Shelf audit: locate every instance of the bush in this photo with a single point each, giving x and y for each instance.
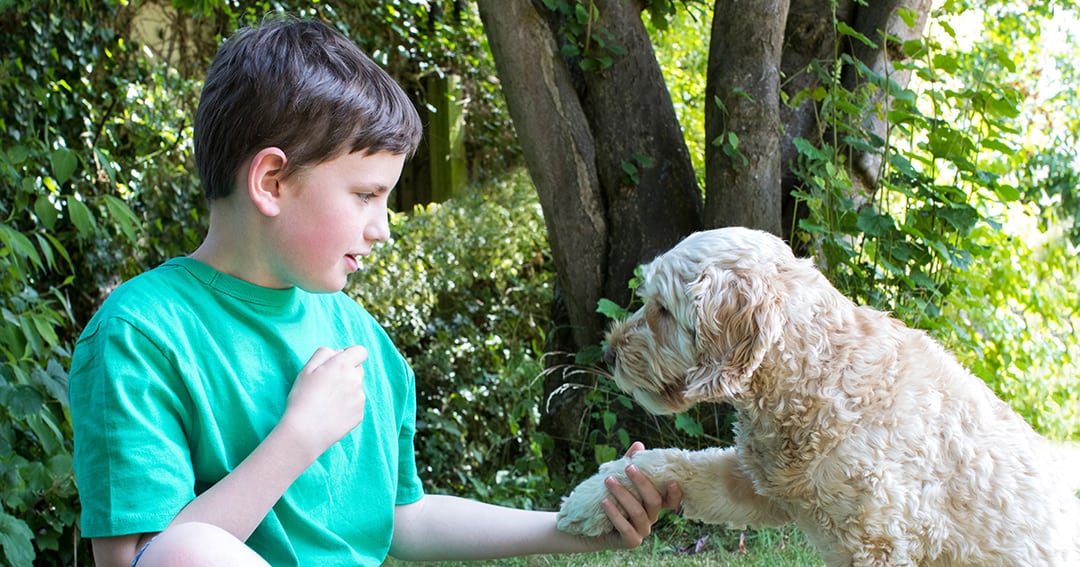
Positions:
(1014, 325)
(464, 288)
(89, 149)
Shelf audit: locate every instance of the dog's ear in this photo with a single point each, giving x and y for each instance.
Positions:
(738, 320)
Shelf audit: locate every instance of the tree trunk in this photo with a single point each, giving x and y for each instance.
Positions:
(809, 45)
(559, 151)
(880, 21)
(609, 161)
(742, 115)
(634, 124)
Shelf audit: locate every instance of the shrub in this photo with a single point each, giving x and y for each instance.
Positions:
(89, 148)
(1013, 322)
(464, 287)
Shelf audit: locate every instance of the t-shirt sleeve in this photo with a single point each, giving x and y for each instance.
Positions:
(128, 407)
(410, 487)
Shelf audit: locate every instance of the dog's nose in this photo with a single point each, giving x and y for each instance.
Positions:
(609, 356)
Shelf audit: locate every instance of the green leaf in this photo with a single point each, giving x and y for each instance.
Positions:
(609, 420)
(45, 330)
(961, 216)
(53, 379)
(47, 431)
(849, 31)
(122, 214)
(17, 154)
(1007, 193)
(806, 148)
(591, 354)
(604, 453)
(63, 162)
(946, 63)
(908, 15)
(872, 223)
(24, 401)
(16, 540)
(688, 425)
(81, 217)
(20, 245)
(610, 309)
(45, 211)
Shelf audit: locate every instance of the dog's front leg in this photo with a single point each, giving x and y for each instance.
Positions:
(715, 490)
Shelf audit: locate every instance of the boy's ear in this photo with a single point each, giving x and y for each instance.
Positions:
(263, 180)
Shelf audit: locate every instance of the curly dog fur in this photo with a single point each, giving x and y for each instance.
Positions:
(865, 433)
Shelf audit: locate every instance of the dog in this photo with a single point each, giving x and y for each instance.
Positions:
(866, 434)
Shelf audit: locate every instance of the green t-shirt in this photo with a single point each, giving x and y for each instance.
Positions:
(184, 370)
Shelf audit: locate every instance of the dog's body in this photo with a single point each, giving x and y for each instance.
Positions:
(865, 433)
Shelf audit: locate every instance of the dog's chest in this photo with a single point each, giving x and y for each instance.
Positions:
(781, 449)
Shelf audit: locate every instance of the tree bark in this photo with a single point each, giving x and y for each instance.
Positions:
(633, 122)
(809, 46)
(559, 152)
(609, 161)
(743, 166)
(881, 22)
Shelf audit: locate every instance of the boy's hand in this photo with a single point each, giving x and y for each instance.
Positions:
(632, 517)
(327, 399)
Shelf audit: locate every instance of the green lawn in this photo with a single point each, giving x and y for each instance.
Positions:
(775, 548)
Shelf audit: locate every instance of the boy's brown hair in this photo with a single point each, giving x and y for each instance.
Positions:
(300, 86)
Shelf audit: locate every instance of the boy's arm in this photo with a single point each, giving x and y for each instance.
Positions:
(116, 551)
(325, 403)
(451, 528)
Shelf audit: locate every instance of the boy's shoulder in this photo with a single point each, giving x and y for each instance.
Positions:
(153, 284)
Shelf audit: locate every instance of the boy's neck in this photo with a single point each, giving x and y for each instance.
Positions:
(233, 244)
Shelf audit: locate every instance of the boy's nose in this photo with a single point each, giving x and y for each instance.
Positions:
(379, 229)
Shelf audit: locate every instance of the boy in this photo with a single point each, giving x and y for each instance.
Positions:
(233, 407)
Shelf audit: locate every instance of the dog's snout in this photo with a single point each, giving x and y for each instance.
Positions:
(609, 356)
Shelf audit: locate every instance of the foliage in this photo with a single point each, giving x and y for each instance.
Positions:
(587, 41)
(416, 40)
(78, 214)
(1017, 328)
(98, 184)
(684, 62)
(932, 243)
(464, 288)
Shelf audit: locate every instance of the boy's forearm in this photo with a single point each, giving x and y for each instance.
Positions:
(451, 528)
(238, 502)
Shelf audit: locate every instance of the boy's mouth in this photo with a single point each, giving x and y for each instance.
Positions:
(352, 261)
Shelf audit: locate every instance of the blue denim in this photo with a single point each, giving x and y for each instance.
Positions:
(139, 554)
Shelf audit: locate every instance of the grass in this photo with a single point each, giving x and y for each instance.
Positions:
(784, 547)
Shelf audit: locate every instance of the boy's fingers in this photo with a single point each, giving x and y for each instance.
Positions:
(356, 354)
(673, 497)
(321, 355)
(635, 511)
(634, 448)
(353, 356)
(651, 499)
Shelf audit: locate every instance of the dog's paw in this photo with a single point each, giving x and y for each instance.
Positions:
(582, 513)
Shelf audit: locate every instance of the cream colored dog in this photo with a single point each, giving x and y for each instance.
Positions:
(866, 434)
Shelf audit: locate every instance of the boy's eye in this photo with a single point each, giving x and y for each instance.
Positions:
(366, 197)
